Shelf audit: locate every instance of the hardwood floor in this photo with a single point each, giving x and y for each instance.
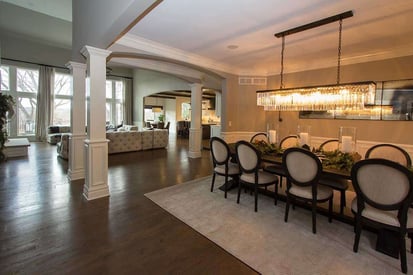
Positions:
(47, 227)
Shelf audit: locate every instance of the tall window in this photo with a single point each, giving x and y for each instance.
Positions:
(115, 102)
(62, 99)
(22, 84)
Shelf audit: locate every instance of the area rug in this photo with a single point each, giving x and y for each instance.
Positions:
(264, 241)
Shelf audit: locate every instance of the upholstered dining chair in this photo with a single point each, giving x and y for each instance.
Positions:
(390, 152)
(303, 169)
(285, 143)
(382, 205)
(289, 141)
(338, 184)
(249, 160)
(261, 136)
(221, 159)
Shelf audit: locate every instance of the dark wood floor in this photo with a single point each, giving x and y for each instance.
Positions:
(47, 227)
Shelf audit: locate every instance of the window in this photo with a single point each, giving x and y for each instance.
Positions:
(115, 102)
(62, 99)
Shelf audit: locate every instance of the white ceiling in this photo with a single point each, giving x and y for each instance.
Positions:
(200, 32)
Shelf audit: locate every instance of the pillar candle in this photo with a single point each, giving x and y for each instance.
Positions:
(346, 144)
(272, 136)
(303, 139)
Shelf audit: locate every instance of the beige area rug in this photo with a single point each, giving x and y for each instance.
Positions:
(265, 242)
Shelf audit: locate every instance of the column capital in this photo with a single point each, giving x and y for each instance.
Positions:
(71, 65)
(195, 86)
(88, 51)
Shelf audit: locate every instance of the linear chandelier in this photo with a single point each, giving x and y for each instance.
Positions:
(350, 96)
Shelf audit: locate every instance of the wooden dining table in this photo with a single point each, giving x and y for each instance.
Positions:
(387, 241)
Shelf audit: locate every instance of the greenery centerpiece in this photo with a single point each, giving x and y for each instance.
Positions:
(6, 112)
(339, 160)
(266, 148)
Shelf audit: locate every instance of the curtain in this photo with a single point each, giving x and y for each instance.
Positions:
(127, 110)
(44, 112)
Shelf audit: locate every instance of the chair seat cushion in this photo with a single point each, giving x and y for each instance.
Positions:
(323, 192)
(335, 183)
(233, 169)
(386, 217)
(263, 178)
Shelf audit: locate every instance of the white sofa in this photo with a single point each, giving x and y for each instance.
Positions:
(54, 133)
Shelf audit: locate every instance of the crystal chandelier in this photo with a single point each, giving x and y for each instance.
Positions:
(350, 96)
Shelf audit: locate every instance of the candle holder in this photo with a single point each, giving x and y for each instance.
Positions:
(347, 139)
(304, 135)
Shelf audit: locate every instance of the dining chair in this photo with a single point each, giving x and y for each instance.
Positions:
(289, 141)
(285, 143)
(303, 169)
(390, 152)
(329, 145)
(379, 204)
(221, 159)
(261, 136)
(249, 160)
(336, 183)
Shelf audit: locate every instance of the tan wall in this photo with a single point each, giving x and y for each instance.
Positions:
(381, 131)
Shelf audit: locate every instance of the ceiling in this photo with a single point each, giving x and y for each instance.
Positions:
(238, 36)
(196, 38)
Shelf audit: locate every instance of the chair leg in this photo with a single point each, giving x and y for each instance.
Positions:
(342, 201)
(330, 210)
(276, 193)
(403, 263)
(411, 242)
(213, 181)
(357, 237)
(314, 213)
(256, 197)
(239, 191)
(226, 186)
(287, 208)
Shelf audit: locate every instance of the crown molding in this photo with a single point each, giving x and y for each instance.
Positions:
(155, 48)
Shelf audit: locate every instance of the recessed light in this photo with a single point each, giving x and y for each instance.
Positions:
(232, 47)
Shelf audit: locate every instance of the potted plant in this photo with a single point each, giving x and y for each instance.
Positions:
(161, 117)
(6, 112)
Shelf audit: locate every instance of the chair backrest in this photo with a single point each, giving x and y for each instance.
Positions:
(249, 158)
(390, 152)
(259, 137)
(167, 125)
(329, 145)
(302, 167)
(148, 124)
(289, 141)
(219, 150)
(383, 184)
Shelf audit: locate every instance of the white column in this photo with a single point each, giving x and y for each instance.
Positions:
(195, 132)
(96, 145)
(76, 168)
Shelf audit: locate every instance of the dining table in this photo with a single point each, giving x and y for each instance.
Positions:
(386, 240)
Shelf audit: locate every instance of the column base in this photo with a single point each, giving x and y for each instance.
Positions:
(195, 143)
(76, 168)
(96, 180)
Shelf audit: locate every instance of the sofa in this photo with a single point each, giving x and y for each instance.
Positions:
(128, 141)
(54, 133)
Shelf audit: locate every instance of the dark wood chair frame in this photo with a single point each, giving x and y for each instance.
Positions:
(225, 162)
(258, 135)
(278, 169)
(255, 171)
(313, 183)
(402, 207)
(340, 185)
(406, 155)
